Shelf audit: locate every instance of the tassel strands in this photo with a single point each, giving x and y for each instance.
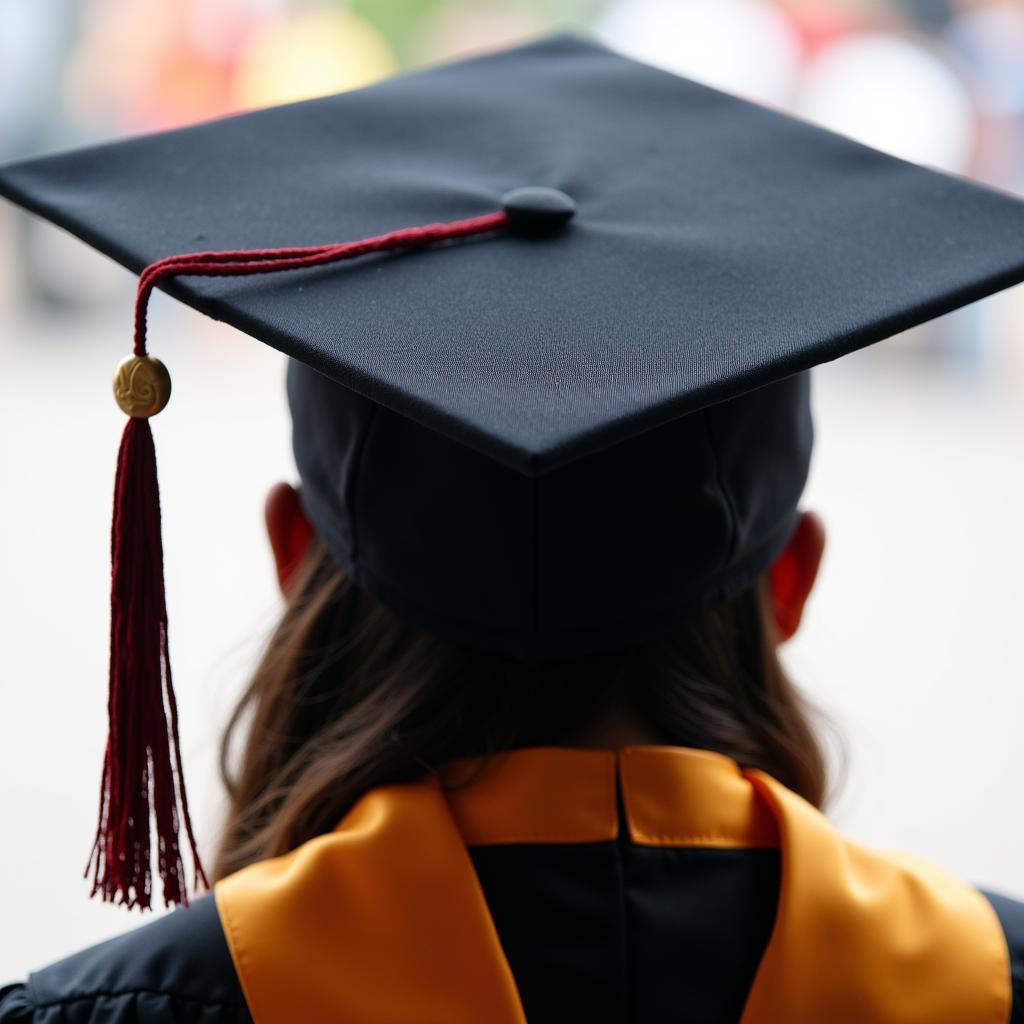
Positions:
(142, 775)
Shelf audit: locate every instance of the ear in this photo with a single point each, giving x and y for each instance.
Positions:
(793, 573)
(288, 529)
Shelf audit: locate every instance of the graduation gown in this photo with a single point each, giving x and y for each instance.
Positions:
(648, 884)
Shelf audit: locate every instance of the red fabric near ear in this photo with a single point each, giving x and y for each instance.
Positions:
(288, 530)
(793, 574)
(300, 532)
(142, 776)
(784, 580)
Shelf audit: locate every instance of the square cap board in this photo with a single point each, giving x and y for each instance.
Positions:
(716, 246)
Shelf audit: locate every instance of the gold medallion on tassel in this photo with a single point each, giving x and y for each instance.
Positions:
(142, 386)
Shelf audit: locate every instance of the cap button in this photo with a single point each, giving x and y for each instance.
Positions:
(536, 210)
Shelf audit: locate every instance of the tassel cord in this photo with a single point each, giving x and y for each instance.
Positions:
(243, 262)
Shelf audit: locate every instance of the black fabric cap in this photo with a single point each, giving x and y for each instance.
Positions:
(602, 553)
(716, 246)
(492, 434)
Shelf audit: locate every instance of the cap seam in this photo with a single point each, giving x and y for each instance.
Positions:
(536, 556)
(353, 482)
(723, 491)
(413, 608)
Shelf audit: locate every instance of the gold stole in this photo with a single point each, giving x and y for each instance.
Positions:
(383, 920)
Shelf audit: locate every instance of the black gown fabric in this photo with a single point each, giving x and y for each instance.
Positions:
(172, 970)
(598, 931)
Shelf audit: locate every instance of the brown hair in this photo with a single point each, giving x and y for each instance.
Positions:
(348, 697)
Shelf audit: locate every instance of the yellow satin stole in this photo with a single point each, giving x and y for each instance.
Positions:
(383, 921)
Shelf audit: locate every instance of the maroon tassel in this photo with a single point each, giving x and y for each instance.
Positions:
(142, 775)
(142, 783)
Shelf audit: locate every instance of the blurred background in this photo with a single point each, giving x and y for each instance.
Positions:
(910, 648)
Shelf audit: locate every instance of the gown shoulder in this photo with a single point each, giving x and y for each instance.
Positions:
(173, 970)
(1011, 917)
(178, 970)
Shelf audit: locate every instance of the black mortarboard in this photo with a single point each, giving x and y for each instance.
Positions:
(588, 419)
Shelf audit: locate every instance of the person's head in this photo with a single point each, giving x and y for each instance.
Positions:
(349, 696)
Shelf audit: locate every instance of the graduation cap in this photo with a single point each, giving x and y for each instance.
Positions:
(548, 312)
